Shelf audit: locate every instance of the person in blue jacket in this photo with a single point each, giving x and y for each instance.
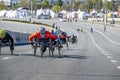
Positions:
(58, 38)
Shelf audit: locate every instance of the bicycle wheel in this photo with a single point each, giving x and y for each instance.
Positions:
(58, 46)
(67, 45)
(11, 52)
(42, 50)
(0, 49)
(0, 46)
(51, 50)
(35, 49)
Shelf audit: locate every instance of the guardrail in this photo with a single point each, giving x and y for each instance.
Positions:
(19, 38)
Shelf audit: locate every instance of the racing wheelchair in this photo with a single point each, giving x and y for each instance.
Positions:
(72, 39)
(43, 44)
(5, 43)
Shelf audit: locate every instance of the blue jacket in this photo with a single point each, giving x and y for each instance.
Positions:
(58, 38)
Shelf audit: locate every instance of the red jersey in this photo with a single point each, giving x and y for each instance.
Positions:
(38, 35)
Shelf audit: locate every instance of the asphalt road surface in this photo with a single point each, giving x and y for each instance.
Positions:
(95, 56)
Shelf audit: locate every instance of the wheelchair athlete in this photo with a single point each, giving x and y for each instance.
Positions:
(63, 36)
(58, 37)
(42, 34)
(6, 38)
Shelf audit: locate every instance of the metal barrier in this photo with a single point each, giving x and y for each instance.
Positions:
(19, 38)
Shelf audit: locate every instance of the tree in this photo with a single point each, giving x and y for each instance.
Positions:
(2, 6)
(108, 5)
(23, 3)
(59, 3)
(32, 3)
(56, 9)
(97, 4)
(51, 2)
(88, 5)
(77, 5)
(43, 4)
(93, 4)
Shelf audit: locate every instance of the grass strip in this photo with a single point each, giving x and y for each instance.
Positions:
(27, 22)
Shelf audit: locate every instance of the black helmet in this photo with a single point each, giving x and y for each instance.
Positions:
(42, 30)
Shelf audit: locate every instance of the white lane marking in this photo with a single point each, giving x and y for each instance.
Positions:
(5, 58)
(109, 57)
(108, 38)
(118, 67)
(113, 61)
(93, 40)
(106, 54)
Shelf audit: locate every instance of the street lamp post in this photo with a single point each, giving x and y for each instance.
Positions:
(31, 11)
(12, 3)
(31, 8)
(93, 3)
(93, 13)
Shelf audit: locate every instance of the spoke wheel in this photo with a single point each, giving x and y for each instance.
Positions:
(11, 52)
(67, 45)
(58, 46)
(51, 50)
(35, 49)
(0, 49)
(41, 50)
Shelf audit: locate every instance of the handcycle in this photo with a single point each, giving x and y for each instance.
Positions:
(5, 43)
(43, 44)
(65, 41)
(78, 30)
(72, 39)
(57, 45)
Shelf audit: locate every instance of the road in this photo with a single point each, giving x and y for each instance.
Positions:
(95, 56)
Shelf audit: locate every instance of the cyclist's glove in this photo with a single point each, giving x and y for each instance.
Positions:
(32, 45)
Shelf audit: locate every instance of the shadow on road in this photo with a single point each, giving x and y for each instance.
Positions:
(47, 56)
(73, 56)
(9, 54)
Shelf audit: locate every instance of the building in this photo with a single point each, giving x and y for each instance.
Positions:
(10, 2)
(110, 0)
(7, 2)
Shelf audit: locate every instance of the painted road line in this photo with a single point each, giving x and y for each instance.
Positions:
(93, 40)
(106, 54)
(108, 38)
(118, 67)
(5, 58)
(109, 57)
(114, 61)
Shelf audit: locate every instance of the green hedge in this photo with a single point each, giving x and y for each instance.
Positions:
(27, 22)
